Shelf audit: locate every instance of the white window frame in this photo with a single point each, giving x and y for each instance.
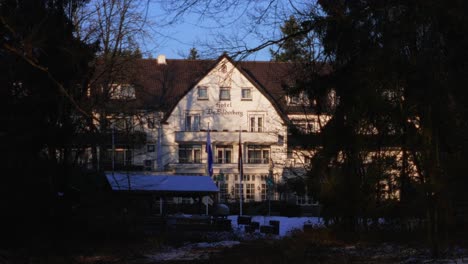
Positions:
(223, 150)
(263, 192)
(257, 122)
(193, 151)
(192, 121)
(246, 98)
(263, 151)
(200, 96)
(125, 153)
(236, 190)
(250, 191)
(228, 89)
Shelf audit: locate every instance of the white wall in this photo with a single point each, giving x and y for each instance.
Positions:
(227, 117)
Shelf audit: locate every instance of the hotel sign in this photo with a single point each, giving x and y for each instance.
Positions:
(224, 109)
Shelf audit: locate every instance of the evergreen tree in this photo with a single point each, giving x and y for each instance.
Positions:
(193, 55)
(397, 71)
(292, 49)
(44, 75)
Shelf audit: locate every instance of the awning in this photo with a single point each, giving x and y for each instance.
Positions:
(162, 184)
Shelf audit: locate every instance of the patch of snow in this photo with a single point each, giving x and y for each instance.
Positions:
(229, 243)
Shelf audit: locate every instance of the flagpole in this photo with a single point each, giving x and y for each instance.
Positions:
(159, 150)
(209, 160)
(209, 152)
(241, 171)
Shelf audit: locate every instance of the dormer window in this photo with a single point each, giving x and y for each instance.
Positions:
(202, 93)
(122, 92)
(294, 99)
(297, 99)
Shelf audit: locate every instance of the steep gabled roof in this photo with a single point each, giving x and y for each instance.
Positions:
(161, 86)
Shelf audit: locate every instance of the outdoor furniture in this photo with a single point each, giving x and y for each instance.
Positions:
(244, 220)
(255, 225)
(267, 229)
(276, 226)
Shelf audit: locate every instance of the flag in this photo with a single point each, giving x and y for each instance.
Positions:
(210, 154)
(240, 162)
(241, 173)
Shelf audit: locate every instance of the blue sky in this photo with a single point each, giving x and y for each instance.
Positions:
(206, 34)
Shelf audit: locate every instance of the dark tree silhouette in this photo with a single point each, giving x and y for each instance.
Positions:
(45, 70)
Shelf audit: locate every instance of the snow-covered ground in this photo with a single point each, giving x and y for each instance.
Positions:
(203, 250)
(287, 224)
(387, 253)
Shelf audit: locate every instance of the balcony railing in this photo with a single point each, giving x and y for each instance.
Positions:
(133, 139)
(227, 136)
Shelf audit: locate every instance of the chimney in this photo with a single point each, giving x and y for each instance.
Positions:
(162, 59)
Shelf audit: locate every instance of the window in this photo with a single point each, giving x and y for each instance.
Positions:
(192, 122)
(150, 122)
(122, 157)
(223, 154)
(202, 93)
(150, 148)
(123, 123)
(183, 200)
(190, 154)
(148, 164)
(237, 190)
(122, 91)
(224, 94)
(250, 191)
(246, 94)
(280, 140)
(258, 154)
(305, 200)
(256, 123)
(263, 192)
(223, 191)
(294, 99)
(128, 157)
(306, 126)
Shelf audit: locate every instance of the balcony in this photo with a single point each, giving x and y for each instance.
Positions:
(134, 139)
(188, 168)
(200, 168)
(227, 137)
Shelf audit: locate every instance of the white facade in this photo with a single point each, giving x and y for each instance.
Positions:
(226, 102)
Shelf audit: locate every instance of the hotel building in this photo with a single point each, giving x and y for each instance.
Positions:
(172, 104)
